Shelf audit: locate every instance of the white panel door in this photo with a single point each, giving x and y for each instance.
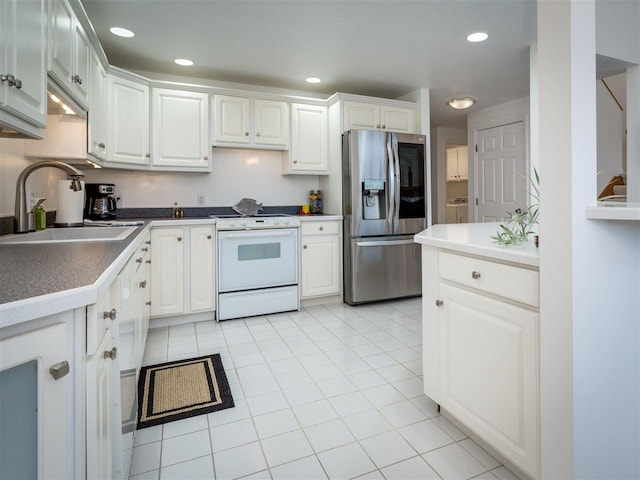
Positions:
(127, 121)
(23, 44)
(180, 129)
(271, 122)
(489, 371)
(501, 175)
(61, 43)
(201, 274)
(167, 271)
(232, 119)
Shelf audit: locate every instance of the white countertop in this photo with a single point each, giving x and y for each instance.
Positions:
(475, 239)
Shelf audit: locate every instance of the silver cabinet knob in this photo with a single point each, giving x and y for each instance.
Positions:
(148, 155)
(145, 249)
(18, 83)
(295, 161)
(102, 145)
(257, 134)
(112, 354)
(148, 242)
(143, 284)
(179, 239)
(246, 134)
(206, 157)
(384, 126)
(139, 260)
(147, 261)
(208, 237)
(147, 303)
(321, 228)
(304, 246)
(439, 303)
(475, 275)
(111, 315)
(59, 370)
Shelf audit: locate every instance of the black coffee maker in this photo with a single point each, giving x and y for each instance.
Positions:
(100, 202)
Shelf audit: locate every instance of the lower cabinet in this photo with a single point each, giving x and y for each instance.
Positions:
(319, 258)
(182, 270)
(480, 327)
(37, 374)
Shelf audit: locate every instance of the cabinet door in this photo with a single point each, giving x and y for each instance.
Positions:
(167, 271)
(452, 164)
(82, 65)
(309, 141)
(127, 121)
(359, 115)
(489, 371)
(23, 43)
(97, 124)
(99, 369)
(35, 434)
(271, 122)
(180, 134)
(320, 265)
(451, 214)
(61, 45)
(463, 163)
(201, 275)
(396, 119)
(232, 119)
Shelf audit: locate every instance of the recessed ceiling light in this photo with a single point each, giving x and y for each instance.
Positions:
(312, 80)
(121, 32)
(184, 62)
(477, 37)
(460, 103)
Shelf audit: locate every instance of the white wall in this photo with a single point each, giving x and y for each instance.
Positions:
(589, 271)
(236, 174)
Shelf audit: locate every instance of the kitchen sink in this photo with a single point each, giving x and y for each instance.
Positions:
(66, 235)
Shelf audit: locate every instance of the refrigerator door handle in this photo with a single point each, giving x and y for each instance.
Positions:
(384, 243)
(396, 182)
(392, 184)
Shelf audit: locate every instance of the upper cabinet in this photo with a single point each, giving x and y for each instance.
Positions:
(457, 164)
(23, 78)
(309, 141)
(69, 52)
(180, 130)
(97, 124)
(127, 122)
(370, 116)
(250, 123)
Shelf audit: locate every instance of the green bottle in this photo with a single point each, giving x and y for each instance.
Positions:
(41, 218)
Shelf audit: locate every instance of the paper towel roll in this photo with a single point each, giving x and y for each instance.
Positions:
(70, 204)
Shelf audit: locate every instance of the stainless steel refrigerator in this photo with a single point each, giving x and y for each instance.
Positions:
(384, 199)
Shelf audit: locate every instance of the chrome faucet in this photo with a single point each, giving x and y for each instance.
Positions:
(21, 213)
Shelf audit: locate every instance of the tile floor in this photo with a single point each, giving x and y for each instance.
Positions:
(332, 391)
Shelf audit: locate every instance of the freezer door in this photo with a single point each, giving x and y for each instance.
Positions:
(366, 188)
(382, 268)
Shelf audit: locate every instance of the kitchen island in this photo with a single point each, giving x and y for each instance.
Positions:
(480, 310)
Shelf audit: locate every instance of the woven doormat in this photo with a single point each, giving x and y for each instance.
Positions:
(182, 389)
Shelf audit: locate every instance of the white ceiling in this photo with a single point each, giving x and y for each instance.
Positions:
(383, 48)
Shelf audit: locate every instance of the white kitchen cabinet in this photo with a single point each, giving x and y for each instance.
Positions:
(369, 116)
(97, 121)
(250, 123)
(457, 213)
(202, 268)
(482, 342)
(69, 52)
(457, 164)
(319, 258)
(180, 130)
(23, 84)
(127, 122)
(182, 270)
(35, 408)
(167, 271)
(308, 153)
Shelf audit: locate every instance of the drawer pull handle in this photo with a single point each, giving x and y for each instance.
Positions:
(112, 315)
(59, 370)
(475, 275)
(439, 303)
(112, 354)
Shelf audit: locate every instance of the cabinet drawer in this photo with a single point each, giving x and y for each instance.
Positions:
(515, 283)
(319, 228)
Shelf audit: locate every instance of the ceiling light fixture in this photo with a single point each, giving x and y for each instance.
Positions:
(184, 62)
(460, 103)
(312, 80)
(122, 32)
(477, 37)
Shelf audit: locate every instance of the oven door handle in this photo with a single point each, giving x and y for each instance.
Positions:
(256, 233)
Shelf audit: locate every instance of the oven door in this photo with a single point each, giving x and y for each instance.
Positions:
(251, 259)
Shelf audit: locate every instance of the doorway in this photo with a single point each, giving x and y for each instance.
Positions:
(457, 180)
(501, 175)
